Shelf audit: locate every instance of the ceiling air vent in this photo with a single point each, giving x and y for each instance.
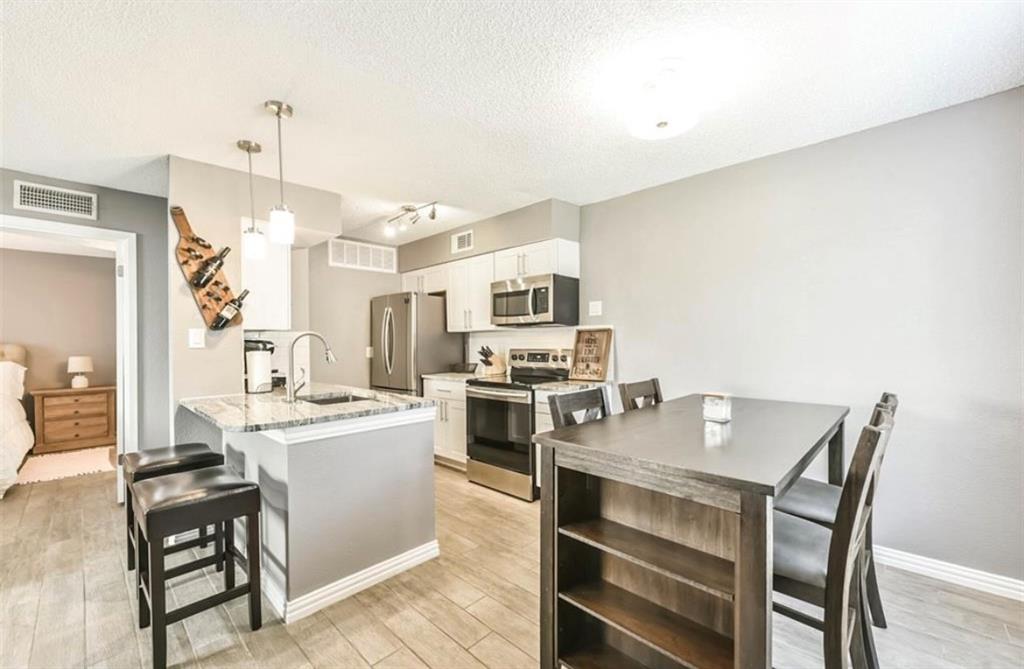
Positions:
(462, 241)
(53, 200)
(359, 255)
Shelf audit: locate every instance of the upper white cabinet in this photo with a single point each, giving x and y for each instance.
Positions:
(469, 293)
(430, 280)
(554, 256)
(269, 282)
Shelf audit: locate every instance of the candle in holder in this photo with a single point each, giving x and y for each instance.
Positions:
(717, 407)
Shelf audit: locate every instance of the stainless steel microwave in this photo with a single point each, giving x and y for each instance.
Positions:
(544, 299)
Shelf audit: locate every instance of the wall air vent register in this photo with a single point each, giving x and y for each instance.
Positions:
(52, 200)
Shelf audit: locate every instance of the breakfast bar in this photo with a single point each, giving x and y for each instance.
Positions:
(656, 531)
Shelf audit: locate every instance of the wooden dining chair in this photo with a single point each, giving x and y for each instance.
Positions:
(826, 567)
(640, 394)
(565, 407)
(818, 502)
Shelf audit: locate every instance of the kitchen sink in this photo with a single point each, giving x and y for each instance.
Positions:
(341, 399)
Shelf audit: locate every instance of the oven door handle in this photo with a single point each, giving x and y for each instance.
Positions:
(516, 397)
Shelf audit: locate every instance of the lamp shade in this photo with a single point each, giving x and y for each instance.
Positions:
(79, 364)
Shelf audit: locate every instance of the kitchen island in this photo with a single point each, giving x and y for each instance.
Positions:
(346, 476)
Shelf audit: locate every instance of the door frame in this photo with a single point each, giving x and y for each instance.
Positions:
(126, 261)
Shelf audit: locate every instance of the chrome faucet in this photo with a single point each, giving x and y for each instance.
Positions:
(290, 384)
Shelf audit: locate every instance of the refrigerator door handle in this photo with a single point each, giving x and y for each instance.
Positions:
(384, 337)
(391, 336)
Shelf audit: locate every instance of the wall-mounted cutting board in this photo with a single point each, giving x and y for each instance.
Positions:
(191, 253)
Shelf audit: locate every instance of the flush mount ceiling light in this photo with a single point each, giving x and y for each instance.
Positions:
(408, 215)
(254, 242)
(666, 102)
(281, 227)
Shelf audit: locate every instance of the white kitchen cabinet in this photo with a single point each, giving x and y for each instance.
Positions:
(412, 282)
(450, 421)
(429, 280)
(469, 294)
(554, 256)
(269, 282)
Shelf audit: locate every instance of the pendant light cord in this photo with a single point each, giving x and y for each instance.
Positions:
(280, 156)
(252, 199)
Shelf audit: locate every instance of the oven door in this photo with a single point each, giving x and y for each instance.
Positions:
(499, 427)
(521, 302)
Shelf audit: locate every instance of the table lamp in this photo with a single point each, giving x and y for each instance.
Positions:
(79, 365)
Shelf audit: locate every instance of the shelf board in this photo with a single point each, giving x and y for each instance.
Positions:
(599, 656)
(676, 637)
(696, 568)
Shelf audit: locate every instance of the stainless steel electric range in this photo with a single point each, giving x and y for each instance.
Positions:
(500, 420)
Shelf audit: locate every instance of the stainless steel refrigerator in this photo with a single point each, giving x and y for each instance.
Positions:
(409, 339)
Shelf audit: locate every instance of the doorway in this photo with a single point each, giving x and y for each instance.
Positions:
(124, 246)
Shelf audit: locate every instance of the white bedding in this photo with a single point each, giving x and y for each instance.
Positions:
(15, 434)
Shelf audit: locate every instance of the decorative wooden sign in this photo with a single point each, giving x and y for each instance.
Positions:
(590, 354)
(192, 253)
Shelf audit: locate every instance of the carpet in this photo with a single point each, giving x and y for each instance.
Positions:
(53, 466)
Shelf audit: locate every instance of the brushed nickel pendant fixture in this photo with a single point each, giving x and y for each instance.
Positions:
(281, 226)
(254, 242)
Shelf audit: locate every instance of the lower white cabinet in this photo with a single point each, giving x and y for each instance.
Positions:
(450, 422)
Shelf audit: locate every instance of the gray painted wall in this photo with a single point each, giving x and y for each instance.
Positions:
(886, 260)
(534, 223)
(146, 216)
(339, 309)
(215, 199)
(59, 305)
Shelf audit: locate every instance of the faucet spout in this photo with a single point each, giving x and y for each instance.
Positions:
(291, 387)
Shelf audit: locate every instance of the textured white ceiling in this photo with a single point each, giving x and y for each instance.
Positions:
(485, 106)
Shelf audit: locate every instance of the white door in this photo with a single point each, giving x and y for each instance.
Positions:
(412, 282)
(456, 424)
(508, 264)
(457, 298)
(440, 429)
(539, 258)
(480, 275)
(269, 282)
(435, 279)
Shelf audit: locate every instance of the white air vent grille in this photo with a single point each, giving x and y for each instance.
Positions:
(359, 255)
(462, 241)
(53, 200)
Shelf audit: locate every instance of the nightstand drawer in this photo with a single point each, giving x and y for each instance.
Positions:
(72, 400)
(74, 411)
(66, 430)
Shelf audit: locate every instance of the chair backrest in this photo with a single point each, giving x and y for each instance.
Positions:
(889, 401)
(846, 550)
(640, 394)
(564, 407)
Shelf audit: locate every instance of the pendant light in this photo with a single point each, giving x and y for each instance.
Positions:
(254, 242)
(281, 227)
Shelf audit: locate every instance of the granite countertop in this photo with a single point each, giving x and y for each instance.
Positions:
(569, 386)
(271, 411)
(450, 376)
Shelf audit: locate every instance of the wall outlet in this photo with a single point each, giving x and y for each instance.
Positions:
(369, 352)
(197, 337)
(595, 308)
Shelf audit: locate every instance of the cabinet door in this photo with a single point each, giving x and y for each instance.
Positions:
(508, 264)
(435, 279)
(457, 298)
(269, 282)
(440, 429)
(456, 424)
(412, 282)
(539, 258)
(480, 275)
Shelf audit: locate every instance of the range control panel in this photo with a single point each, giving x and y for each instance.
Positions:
(556, 358)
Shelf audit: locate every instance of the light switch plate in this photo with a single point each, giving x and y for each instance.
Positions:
(369, 352)
(197, 338)
(595, 308)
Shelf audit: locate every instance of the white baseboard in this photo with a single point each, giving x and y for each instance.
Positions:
(976, 579)
(310, 603)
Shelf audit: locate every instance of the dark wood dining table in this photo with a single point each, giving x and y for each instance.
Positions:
(656, 530)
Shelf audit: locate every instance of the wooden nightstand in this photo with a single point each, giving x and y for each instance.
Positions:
(71, 418)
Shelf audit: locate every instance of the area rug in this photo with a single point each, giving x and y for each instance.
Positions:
(53, 466)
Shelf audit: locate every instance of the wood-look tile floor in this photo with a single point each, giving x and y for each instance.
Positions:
(67, 601)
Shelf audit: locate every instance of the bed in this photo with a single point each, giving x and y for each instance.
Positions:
(15, 434)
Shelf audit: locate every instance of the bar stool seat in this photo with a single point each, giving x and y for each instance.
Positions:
(799, 552)
(169, 505)
(150, 463)
(816, 501)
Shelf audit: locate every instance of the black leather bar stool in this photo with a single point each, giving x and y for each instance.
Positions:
(142, 465)
(168, 505)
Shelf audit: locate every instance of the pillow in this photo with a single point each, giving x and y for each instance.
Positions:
(12, 379)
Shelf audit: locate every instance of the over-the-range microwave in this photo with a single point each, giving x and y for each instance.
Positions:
(544, 299)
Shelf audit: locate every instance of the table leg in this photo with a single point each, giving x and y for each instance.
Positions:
(548, 564)
(836, 457)
(752, 606)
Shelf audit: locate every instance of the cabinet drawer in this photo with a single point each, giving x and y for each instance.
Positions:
(67, 430)
(445, 390)
(51, 413)
(71, 400)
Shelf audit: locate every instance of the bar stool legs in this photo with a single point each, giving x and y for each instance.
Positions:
(253, 550)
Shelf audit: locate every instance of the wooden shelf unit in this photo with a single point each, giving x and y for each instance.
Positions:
(635, 586)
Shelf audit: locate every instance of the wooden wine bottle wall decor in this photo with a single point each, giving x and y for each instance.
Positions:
(192, 253)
